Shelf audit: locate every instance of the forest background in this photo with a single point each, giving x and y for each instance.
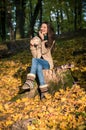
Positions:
(19, 20)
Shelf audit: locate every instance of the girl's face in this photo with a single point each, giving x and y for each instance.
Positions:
(43, 29)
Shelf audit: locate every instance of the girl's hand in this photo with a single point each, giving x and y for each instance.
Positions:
(35, 41)
(31, 42)
(44, 41)
(41, 35)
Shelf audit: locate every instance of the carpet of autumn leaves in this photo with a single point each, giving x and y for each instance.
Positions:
(65, 110)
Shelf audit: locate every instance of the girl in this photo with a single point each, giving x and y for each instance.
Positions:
(41, 50)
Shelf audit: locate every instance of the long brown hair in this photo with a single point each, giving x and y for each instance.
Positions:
(51, 34)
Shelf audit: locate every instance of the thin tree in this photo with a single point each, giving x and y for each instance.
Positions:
(75, 15)
(20, 17)
(34, 16)
(80, 14)
(3, 19)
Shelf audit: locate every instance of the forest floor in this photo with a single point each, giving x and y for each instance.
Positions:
(65, 110)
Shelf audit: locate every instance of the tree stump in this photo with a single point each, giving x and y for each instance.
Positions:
(51, 75)
(58, 78)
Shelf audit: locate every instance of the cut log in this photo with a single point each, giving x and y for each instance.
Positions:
(58, 78)
(51, 76)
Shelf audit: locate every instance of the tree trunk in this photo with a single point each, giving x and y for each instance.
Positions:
(40, 15)
(9, 22)
(3, 20)
(34, 16)
(75, 13)
(57, 21)
(61, 16)
(68, 16)
(80, 14)
(20, 18)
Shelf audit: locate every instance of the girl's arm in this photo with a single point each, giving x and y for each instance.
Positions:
(44, 48)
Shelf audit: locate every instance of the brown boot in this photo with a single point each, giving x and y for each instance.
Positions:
(44, 90)
(29, 82)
